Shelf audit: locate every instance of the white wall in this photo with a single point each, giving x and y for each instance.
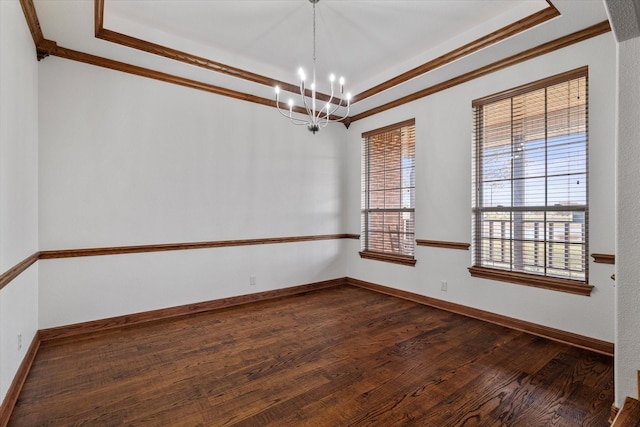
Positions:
(443, 197)
(127, 161)
(18, 187)
(627, 356)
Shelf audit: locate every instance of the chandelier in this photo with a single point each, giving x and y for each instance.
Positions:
(317, 118)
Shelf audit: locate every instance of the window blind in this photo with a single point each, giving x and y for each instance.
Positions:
(530, 208)
(388, 190)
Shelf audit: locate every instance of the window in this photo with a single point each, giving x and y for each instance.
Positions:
(388, 193)
(530, 210)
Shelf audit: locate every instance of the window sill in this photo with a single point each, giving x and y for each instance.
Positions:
(553, 283)
(397, 259)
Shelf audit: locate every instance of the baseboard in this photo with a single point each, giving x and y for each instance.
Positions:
(576, 340)
(183, 310)
(629, 414)
(18, 381)
(67, 331)
(614, 412)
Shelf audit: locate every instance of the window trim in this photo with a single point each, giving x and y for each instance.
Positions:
(408, 260)
(383, 256)
(528, 279)
(534, 280)
(530, 87)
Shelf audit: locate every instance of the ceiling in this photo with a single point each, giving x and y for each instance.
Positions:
(246, 46)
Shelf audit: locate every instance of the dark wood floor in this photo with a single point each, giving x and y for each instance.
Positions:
(338, 357)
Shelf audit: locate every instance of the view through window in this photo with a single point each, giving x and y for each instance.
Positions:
(388, 190)
(530, 210)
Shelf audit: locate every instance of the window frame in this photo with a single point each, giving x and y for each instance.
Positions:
(366, 210)
(580, 287)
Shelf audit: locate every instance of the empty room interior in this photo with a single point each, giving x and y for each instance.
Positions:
(200, 224)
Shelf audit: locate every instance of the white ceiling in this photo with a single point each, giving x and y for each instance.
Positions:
(367, 41)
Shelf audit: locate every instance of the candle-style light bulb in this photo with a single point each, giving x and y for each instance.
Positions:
(302, 78)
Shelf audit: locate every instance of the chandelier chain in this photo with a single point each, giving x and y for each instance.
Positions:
(314, 35)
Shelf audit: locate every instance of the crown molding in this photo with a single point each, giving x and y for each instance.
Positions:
(469, 48)
(559, 43)
(503, 33)
(45, 47)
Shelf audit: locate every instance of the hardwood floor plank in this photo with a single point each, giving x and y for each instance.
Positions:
(458, 381)
(343, 356)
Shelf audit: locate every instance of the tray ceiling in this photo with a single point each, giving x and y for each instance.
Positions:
(367, 41)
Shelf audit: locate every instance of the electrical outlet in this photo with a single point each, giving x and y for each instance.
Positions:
(443, 285)
(19, 340)
(252, 280)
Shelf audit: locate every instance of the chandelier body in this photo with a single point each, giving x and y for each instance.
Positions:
(317, 118)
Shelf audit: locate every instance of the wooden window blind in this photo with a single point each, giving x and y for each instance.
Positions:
(388, 193)
(530, 188)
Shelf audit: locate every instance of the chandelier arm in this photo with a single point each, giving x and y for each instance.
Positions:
(295, 120)
(346, 114)
(299, 122)
(289, 115)
(282, 112)
(304, 100)
(317, 117)
(306, 107)
(340, 101)
(337, 107)
(280, 109)
(328, 105)
(332, 95)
